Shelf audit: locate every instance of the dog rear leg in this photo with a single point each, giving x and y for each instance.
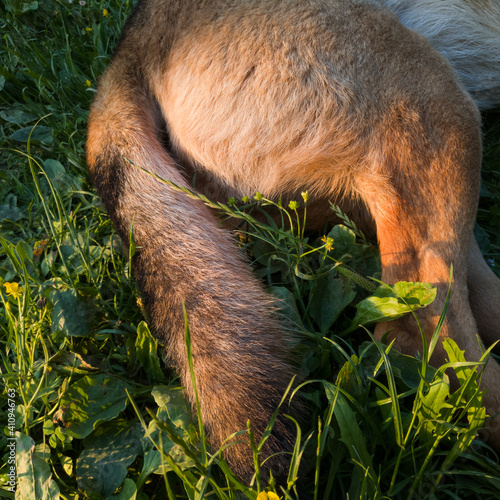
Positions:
(484, 295)
(424, 210)
(239, 349)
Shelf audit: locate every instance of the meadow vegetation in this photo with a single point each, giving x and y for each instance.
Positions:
(97, 413)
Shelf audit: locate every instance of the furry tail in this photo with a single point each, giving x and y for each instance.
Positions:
(182, 255)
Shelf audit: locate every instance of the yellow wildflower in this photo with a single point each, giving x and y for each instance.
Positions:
(267, 496)
(105, 13)
(88, 29)
(88, 83)
(328, 243)
(13, 289)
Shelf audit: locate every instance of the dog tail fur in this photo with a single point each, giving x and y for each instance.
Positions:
(183, 256)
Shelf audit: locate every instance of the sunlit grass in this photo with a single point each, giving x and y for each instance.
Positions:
(92, 395)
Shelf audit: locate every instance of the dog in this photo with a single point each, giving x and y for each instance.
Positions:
(336, 97)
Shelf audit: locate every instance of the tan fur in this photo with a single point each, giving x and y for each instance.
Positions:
(279, 96)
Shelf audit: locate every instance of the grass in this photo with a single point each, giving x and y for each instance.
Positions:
(95, 412)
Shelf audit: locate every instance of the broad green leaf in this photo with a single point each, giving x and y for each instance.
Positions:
(347, 250)
(433, 404)
(53, 169)
(33, 473)
(351, 434)
(102, 466)
(391, 302)
(154, 463)
(58, 438)
(90, 400)
(329, 297)
(41, 135)
(174, 411)
(128, 492)
(17, 116)
(146, 350)
(67, 465)
(344, 241)
(72, 314)
(468, 392)
(172, 408)
(456, 355)
(58, 176)
(48, 427)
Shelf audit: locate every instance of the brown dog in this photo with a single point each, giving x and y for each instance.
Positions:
(280, 96)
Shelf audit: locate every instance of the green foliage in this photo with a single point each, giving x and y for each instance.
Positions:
(34, 473)
(89, 401)
(391, 302)
(95, 412)
(101, 468)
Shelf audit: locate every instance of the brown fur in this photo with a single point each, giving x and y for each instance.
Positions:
(279, 96)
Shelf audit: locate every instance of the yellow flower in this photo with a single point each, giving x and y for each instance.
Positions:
(305, 196)
(13, 289)
(328, 243)
(88, 29)
(105, 13)
(88, 83)
(267, 496)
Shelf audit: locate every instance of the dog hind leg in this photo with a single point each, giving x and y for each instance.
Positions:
(424, 210)
(484, 295)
